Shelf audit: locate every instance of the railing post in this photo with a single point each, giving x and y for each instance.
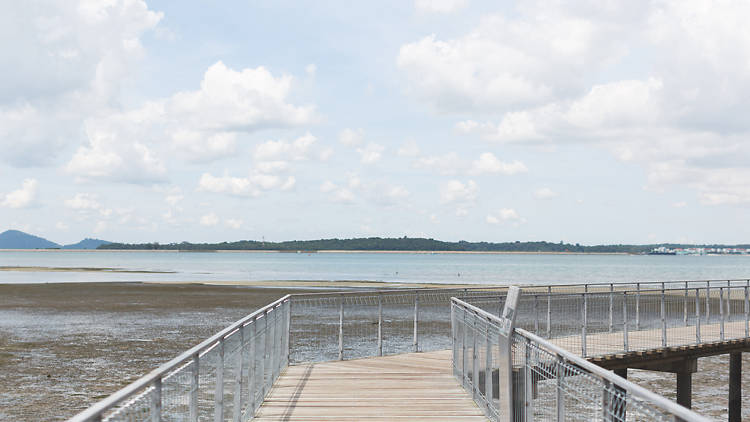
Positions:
(464, 358)
(611, 306)
(474, 360)
(528, 381)
(272, 357)
(663, 319)
(584, 321)
(708, 302)
(156, 401)
(416, 321)
(252, 372)
(684, 310)
(637, 306)
(266, 354)
(454, 337)
(341, 327)
(194, 384)
(697, 317)
(288, 330)
(560, 396)
(625, 320)
(747, 310)
(729, 301)
(549, 311)
(237, 403)
(380, 323)
(606, 401)
(219, 393)
(488, 368)
(536, 314)
(721, 313)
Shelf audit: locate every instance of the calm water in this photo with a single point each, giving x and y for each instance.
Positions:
(401, 267)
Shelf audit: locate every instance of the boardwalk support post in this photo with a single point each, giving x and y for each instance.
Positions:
(735, 387)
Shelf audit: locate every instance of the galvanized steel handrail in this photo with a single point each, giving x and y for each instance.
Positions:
(673, 311)
(480, 383)
(153, 379)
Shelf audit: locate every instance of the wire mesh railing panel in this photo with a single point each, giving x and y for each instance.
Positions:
(476, 362)
(550, 388)
(543, 381)
(224, 378)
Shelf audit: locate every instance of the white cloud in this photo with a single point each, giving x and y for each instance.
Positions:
(87, 203)
(542, 53)
(352, 137)
(408, 149)
(397, 192)
(457, 191)
(239, 101)
(299, 149)
(327, 186)
(566, 72)
(66, 61)
(112, 153)
(439, 6)
(680, 204)
(233, 223)
(209, 220)
(338, 193)
(200, 125)
(310, 69)
(174, 199)
(62, 226)
(22, 197)
(252, 185)
(489, 163)
(445, 164)
(505, 215)
(83, 201)
(201, 147)
(371, 153)
(545, 193)
(227, 184)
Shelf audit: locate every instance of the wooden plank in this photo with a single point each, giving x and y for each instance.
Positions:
(413, 386)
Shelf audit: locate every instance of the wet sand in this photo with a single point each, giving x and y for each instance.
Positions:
(65, 346)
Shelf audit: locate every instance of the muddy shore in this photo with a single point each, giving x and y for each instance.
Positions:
(66, 346)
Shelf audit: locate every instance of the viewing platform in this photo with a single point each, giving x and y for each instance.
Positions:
(541, 353)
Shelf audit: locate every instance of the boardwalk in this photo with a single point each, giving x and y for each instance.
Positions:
(414, 386)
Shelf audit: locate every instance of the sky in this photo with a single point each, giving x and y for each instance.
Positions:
(584, 121)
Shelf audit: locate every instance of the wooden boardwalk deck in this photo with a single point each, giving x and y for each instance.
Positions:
(413, 386)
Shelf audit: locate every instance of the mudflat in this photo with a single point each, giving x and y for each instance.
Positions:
(65, 346)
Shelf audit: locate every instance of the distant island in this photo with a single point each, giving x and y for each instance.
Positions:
(404, 244)
(16, 239)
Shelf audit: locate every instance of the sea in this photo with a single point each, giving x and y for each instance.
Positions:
(440, 268)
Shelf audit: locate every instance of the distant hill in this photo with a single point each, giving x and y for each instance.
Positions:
(14, 239)
(87, 244)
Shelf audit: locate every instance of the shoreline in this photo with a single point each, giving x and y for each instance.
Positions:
(274, 284)
(327, 251)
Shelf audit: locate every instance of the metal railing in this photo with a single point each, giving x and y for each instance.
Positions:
(227, 376)
(346, 325)
(514, 375)
(223, 378)
(600, 322)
